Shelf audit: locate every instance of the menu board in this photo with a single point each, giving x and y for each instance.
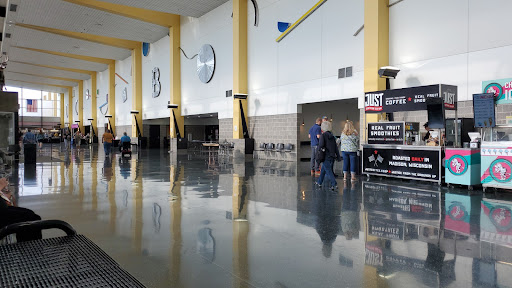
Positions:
(484, 110)
(386, 133)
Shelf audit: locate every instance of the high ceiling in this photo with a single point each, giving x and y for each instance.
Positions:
(32, 34)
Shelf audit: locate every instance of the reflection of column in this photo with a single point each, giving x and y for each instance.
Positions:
(240, 229)
(94, 188)
(81, 182)
(175, 200)
(70, 178)
(112, 199)
(137, 214)
(62, 177)
(370, 275)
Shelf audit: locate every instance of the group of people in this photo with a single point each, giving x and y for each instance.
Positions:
(324, 151)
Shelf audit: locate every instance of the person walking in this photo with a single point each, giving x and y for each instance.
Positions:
(40, 139)
(349, 144)
(314, 134)
(78, 139)
(107, 141)
(328, 142)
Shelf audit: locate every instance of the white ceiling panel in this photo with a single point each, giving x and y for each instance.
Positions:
(47, 88)
(193, 8)
(37, 79)
(36, 70)
(22, 55)
(24, 37)
(66, 16)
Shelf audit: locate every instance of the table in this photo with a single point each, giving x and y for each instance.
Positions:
(68, 261)
(211, 160)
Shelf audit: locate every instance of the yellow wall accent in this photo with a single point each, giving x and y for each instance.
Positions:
(376, 48)
(62, 112)
(174, 33)
(68, 55)
(54, 98)
(301, 19)
(137, 88)
(376, 43)
(81, 106)
(112, 95)
(110, 41)
(150, 16)
(240, 83)
(94, 106)
(70, 106)
(56, 67)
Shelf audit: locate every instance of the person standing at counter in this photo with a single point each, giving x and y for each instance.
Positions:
(427, 136)
(314, 134)
(349, 144)
(328, 142)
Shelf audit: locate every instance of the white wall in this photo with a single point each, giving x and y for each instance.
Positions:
(124, 69)
(214, 28)
(66, 107)
(74, 103)
(87, 103)
(459, 42)
(159, 56)
(102, 86)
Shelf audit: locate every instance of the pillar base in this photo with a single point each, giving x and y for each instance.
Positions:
(243, 147)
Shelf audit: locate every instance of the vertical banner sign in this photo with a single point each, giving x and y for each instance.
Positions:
(501, 88)
(386, 133)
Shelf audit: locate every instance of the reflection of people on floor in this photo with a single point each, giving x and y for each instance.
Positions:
(349, 212)
(107, 169)
(206, 244)
(11, 215)
(124, 167)
(328, 220)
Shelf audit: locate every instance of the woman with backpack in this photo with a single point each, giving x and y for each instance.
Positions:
(327, 145)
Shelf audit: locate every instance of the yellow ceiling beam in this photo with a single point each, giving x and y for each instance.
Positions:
(110, 41)
(88, 72)
(145, 15)
(46, 76)
(42, 84)
(68, 55)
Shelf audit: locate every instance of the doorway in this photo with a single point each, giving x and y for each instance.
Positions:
(154, 136)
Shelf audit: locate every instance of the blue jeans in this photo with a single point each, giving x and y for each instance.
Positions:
(314, 164)
(327, 172)
(106, 147)
(349, 159)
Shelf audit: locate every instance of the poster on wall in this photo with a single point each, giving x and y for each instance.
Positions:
(404, 163)
(386, 133)
(501, 88)
(484, 110)
(409, 99)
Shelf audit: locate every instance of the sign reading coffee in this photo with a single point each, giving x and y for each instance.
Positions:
(402, 163)
(386, 133)
(409, 99)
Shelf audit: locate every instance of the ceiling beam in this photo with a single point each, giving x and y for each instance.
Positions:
(41, 84)
(145, 15)
(88, 72)
(46, 76)
(110, 41)
(68, 55)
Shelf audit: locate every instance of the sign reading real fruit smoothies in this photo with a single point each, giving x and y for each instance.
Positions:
(501, 88)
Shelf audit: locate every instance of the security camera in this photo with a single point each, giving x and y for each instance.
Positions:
(388, 72)
(172, 106)
(240, 96)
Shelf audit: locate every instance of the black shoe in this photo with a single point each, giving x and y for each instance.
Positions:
(334, 188)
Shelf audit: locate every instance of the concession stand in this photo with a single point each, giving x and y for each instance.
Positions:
(387, 153)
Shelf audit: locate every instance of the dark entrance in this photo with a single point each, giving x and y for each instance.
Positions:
(87, 130)
(154, 136)
(211, 133)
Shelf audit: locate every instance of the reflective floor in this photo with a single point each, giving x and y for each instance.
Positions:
(198, 221)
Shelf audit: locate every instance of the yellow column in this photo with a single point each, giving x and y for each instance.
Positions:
(138, 190)
(70, 178)
(94, 106)
(137, 88)
(240, 85)
(62, 108)
(53, 97)
(176, 118)
(81, 105)
(112, 94)
(376, 47)
(70, 106)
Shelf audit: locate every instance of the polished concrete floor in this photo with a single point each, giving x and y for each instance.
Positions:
(198, 221)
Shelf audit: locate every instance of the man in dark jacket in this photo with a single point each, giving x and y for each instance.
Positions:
(328, 142)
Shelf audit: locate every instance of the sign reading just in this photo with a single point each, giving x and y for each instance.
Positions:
(409, 99)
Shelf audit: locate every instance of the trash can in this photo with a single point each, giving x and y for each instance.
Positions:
(30, 151)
